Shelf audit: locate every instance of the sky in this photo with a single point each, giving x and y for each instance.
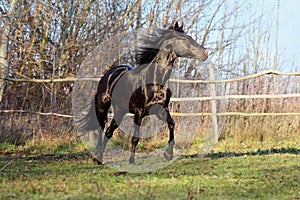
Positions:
(289, 31)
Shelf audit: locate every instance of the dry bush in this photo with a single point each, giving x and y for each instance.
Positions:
(51, 39)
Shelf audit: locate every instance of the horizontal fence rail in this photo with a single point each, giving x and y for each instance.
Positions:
(73, 79)
(225, 97)
(228, 97)
(176, 114)
(37, 113)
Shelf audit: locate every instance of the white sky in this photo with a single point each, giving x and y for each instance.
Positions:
(289, 31)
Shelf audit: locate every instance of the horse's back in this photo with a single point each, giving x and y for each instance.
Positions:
(111, 76)
(118, 69)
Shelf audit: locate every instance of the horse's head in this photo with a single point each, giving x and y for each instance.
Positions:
(173, 40)
(183, 45)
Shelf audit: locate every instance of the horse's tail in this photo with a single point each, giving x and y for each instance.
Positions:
(89, 122)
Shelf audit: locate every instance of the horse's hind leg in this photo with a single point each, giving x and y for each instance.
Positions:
(102, 117)
(102, 144)
(108, 134)
(101, 113)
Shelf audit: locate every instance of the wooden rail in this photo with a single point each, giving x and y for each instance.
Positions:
(97, 78)
(210, 98)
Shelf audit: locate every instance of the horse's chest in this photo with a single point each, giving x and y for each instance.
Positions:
(156, 95)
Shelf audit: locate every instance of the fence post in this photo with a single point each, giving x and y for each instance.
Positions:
(212, 89)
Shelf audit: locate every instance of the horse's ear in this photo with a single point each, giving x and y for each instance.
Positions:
(178, 27)
(181, 26)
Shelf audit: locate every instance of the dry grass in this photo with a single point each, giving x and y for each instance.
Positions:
(237, 133)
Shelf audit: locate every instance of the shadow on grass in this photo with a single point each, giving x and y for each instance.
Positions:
(253, 153)
(86, 155)
(45, 157)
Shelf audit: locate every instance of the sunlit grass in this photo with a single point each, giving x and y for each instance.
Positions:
(240, 166)
(273, 176)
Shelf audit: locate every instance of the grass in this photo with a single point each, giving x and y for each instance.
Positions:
(260, 175)
(236, 169)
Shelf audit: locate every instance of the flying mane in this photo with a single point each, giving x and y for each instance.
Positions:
(151, 44)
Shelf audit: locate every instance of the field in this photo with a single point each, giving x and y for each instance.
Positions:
(66, 172)
(247, 92)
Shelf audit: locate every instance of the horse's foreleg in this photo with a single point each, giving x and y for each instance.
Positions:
(134, 142)
(135, 139)
(168, 154)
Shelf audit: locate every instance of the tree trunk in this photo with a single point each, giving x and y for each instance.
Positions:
(3, 48)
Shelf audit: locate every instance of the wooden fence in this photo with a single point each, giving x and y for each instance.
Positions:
(213, 97)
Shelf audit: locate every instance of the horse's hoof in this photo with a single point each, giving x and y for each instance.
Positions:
(96, 160)
(168, 156)
(131, 160)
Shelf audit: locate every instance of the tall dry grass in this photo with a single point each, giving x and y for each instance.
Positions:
(241, 44)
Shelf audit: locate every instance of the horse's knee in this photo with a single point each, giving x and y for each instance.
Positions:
(171, 122)
(108, 134)
(134, 141)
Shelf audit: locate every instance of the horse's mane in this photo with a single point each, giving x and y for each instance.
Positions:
(151, 44)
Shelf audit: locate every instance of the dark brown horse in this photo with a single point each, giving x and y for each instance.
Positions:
(141, 89)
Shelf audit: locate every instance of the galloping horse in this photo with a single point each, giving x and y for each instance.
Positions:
(142, 89)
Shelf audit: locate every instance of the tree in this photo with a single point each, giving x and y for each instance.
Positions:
(47, 39)
(4, 39)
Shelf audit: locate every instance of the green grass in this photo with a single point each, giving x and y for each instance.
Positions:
(218, 176)
(63, 170)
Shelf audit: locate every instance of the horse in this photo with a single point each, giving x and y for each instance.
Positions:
(142, 90)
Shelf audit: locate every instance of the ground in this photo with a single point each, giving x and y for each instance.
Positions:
(261, 174)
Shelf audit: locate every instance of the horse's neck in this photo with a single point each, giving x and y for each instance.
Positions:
(163, 65)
